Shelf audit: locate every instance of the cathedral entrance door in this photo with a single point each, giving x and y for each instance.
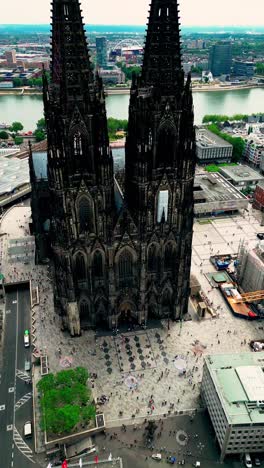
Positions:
(127, 313)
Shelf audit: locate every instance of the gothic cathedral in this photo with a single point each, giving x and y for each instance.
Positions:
(121, 243)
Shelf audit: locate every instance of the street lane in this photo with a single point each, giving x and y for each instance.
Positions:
(15, 393)
(8, 373)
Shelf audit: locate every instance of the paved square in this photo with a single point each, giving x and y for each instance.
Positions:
(134, 352)
(136, 368)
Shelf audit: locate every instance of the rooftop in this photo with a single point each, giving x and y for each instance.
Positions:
(239, 381)
(207, 139)
(214, 187)
(14, 173)
(241, 173)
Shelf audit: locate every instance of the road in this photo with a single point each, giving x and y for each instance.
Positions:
(15, 392)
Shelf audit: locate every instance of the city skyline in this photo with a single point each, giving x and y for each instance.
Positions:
(104, 12)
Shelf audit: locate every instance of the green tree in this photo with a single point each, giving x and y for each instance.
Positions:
(41, 124)
(39, 135)
(260, 68)
(16, 127)
(237, 142)
(4, 135)
(18, 140)
(17, 82)
(68, 417)
(115, 125)
(88, 413)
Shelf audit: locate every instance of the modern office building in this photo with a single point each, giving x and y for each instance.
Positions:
(242, 176)
(245, 69)
(233, 392)
(254, 149)
(10, 56)
(250, 269)
(210, 148)
(259, 196)
(112, 76)
(101, 52)
(220, 59)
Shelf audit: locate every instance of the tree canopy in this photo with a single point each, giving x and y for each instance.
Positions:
(65, 400)
(16, 127)
(4, 135)
(115, 125)
(237, 142)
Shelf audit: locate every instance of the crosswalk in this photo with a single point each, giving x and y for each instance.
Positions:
(23, 400)
(22, 446)
(22, 375)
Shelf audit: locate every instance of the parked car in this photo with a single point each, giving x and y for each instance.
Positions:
(156, 456)
(257, 461)
(260, 235)
(28, 429)
(247, 461)
(26, 339)
(27, 366)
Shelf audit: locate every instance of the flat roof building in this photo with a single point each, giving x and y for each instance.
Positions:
(245, 69)
(242, 176)
(14, 180)
(214, 195)
(211, 148)
(233, 391)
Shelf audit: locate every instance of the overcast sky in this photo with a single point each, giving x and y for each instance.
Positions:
(193, 12)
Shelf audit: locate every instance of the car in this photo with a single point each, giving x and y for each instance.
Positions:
(260, 235)
(28, 429)
(156, 456)
(257, 461)
(247, 461)
(27, 366)
(26, 339)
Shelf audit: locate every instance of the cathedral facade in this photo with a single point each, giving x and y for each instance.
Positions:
(121, 244)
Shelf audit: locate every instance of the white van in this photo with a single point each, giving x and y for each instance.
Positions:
(247, 461)
(28, 429)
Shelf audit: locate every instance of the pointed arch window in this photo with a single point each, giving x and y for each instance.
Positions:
(166, 144)
(163, 205)
(97, 266)
(153, 258)
(86, 215)
(169, 258)
(80, 269)
(77, 144)
(125, 268)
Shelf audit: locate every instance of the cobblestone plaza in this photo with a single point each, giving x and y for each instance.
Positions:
(141, 372)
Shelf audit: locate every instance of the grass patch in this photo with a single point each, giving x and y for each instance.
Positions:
(216, 167)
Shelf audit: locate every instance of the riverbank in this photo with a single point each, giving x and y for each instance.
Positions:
(126, 91)
(28, 108)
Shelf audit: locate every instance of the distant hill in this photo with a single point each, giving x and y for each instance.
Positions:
(137, 29)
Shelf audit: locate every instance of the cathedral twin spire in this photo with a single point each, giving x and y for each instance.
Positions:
(71, 66)
(162, 57)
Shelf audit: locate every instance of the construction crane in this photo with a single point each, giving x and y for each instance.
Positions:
(250, 297)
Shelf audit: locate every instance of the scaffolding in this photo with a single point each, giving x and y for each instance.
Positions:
(250, 267)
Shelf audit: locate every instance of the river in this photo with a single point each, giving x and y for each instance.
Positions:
(28, 109)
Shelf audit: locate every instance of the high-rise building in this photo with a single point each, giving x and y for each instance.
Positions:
(220, 59)
(10, 56)
(242, 68)
(101, 52)
(121, 250)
